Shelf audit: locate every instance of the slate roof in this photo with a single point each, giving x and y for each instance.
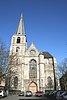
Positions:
(47, 55)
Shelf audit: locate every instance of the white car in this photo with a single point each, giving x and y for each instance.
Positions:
(1, 93)
(28, 93)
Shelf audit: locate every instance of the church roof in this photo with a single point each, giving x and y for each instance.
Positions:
(20, 29)
(47, 55)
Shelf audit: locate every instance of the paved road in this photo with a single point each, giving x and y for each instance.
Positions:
(16, 97)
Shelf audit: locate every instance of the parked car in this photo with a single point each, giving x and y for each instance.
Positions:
(52, 95)
(46, 94)
(56, 95)
(64, 96)
(6, 93)
(28, 93)
(21, 93)
(39, 93)
(1, 93)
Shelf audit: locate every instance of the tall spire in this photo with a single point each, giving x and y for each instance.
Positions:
(20, 29)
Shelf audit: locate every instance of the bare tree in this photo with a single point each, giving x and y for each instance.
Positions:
(4, 55)
(63, 72)
(63, 67)
(12, 69)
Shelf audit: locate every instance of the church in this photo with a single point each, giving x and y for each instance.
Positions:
(29, 68)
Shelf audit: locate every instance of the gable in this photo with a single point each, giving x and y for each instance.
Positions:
(32, 51)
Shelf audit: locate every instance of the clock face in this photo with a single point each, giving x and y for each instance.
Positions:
(32, 52)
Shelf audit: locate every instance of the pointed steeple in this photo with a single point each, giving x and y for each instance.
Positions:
(20, 29)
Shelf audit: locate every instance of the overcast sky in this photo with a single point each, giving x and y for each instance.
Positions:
(45, 23)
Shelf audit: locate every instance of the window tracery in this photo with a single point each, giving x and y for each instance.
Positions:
(32, 52)
(33, 69)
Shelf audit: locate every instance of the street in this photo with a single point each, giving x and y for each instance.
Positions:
(16, 97)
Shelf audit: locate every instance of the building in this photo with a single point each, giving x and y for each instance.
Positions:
(30, 69)
(63, 82)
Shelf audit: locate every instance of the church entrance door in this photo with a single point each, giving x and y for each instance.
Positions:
(33, 87)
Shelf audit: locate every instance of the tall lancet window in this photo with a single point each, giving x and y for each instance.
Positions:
(50, 82)
(33, 69)
(16, 82)
(18, 40)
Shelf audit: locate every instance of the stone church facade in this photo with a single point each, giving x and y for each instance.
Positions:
(30, 69)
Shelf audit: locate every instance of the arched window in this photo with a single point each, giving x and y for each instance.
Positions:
(16, 82)
(18, 40)
(17, 49)
(32, 69)
(50, 82)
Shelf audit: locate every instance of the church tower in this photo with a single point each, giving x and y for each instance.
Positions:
(16, 60)
(19, 41)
